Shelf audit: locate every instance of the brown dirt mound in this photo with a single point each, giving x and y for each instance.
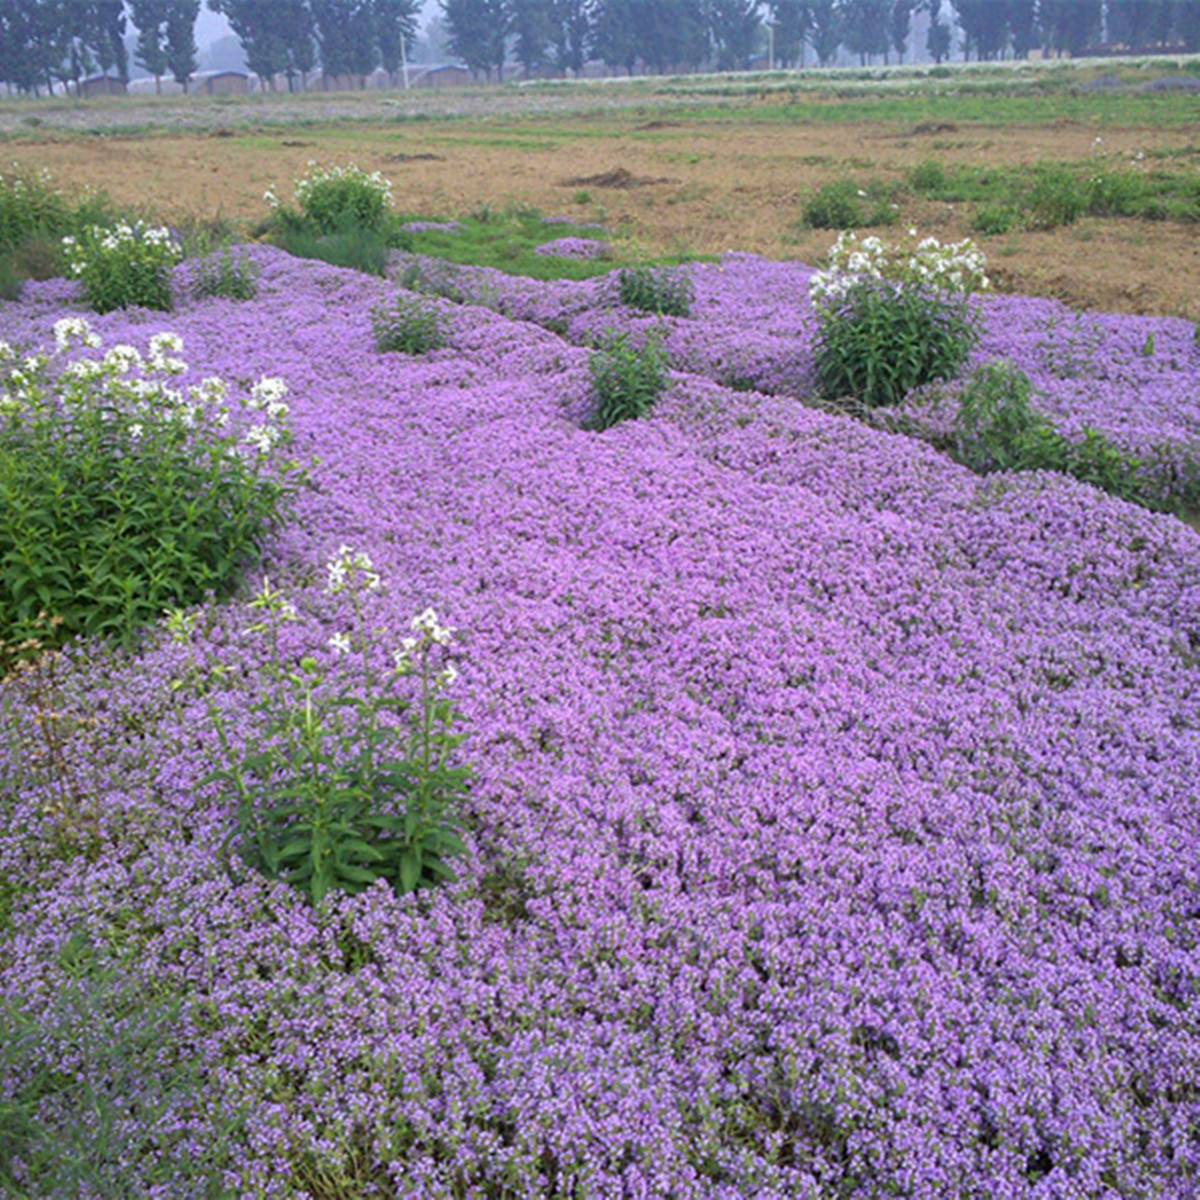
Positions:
(616, 178)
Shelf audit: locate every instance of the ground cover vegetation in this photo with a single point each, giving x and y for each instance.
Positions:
(812, 817)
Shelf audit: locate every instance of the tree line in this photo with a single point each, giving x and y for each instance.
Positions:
(44, 42)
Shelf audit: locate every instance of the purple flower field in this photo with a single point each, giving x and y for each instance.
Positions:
(752, 326)
(835, 827)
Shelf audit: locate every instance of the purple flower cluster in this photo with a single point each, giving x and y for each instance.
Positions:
(834, 826)
(431, 227)
(1133, 379)
(574, 247)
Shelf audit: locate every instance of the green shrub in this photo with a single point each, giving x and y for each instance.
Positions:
(928, 176)
(360, 249)
(123, 265)
(348, 781)
(225, 275)
(1057, 198)
(626, 381)
(996, 219)
(11, 281)
(411, 324)
(334, 198)
(118, 495)
(29, 205)
(1115, 194)
(884, 339)
(666, 291)
(834, 206)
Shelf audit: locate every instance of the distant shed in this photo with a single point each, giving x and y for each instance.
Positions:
(101, 85)
(449, 76)
(227, 83)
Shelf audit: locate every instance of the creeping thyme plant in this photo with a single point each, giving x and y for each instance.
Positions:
(894, 317)
(350, 778)
(123, 265)
(121, 492)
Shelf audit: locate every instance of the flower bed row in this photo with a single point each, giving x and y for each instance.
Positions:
(752, 326)
(832, 832)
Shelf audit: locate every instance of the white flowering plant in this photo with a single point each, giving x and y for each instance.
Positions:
(334, 199)
(894, 317)
(123, 265)
(122, 490)
(350, 778)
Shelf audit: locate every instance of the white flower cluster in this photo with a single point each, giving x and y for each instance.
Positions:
(429, 632)
(152, 241)
(955, 267)
(350, 569)
(124, 381)
(317, 176)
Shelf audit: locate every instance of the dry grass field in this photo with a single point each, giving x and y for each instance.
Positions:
(673, 170)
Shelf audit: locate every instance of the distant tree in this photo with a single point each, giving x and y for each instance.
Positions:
(790, 19)
(1142, 23)
(1071, 25)
(107, 36)
(531, 20)
(938, 38)
(864, 25)
(299, 40)
(478, 31)
(346, 35)
(1022, 26)
(734, 28)
(260, 25)
(900, 25)
(150, 16)
(615, 36)
(395, 24)
(570, 27)
(1187, 24)
(181, 39)
(825, 25)
(985, 27)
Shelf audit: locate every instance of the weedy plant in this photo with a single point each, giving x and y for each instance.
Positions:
(410, 324)
(843, 205)
(1071, 350)
(226, 275)
(120, 494)
(627, 380)
(665, 291)
(123, 265)
(350, 777)
(997, 429)
(894, 318)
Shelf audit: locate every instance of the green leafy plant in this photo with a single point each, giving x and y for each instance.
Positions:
(1057, 198)
(883, 339)
(843, 205)
(120, 494)
(350, 778)
(336, 197)
(995, 219)
(226, 275)
(666, 291)
(30, 205)
(123, 265)
(626, 380)
(928, 176)
(411, 324)
(997, 429)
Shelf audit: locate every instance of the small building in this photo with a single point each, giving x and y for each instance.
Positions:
(101, 85)
(449, 76)
(227, 83)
